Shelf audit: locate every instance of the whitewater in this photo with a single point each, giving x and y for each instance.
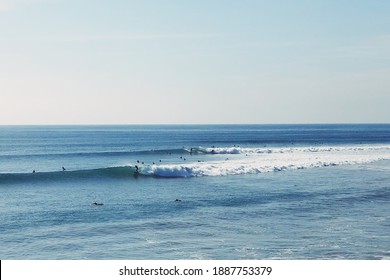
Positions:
(259, 160)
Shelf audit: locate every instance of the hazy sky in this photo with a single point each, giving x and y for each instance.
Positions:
(194, 61)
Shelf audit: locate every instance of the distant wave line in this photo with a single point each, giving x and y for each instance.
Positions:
(99, 153)
(268, 150)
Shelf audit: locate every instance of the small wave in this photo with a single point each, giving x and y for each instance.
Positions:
(265, 150)
(108, 172)
(97, 153)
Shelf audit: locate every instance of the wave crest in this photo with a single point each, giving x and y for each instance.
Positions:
(255, 161)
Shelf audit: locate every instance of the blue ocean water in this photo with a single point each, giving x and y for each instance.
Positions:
(202, 192)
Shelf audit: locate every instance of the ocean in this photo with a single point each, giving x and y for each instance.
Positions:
(195, 192)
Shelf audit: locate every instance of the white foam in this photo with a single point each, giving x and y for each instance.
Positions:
(260, 160)
(265, 150)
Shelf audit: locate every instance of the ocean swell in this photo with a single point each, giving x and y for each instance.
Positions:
(241, 161)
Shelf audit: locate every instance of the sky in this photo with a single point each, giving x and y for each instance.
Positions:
(194, 61)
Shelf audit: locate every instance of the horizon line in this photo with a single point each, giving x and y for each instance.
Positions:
(194, 124)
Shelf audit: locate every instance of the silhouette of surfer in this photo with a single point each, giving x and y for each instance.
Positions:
(97, 204)
(63, 169)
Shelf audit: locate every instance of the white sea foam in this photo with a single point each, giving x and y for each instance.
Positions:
(265, 150)
(260, 160)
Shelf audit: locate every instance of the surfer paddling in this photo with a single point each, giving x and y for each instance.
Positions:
(97, 204)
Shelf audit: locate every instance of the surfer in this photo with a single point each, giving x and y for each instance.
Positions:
(97, 204)
(33, 171)
(177, 200)
(63, 169)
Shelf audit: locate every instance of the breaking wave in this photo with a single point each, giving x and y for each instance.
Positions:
(241, 161)
(257, 165)
(265, 150)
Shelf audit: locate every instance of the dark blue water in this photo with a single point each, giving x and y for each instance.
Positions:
(242, 191)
